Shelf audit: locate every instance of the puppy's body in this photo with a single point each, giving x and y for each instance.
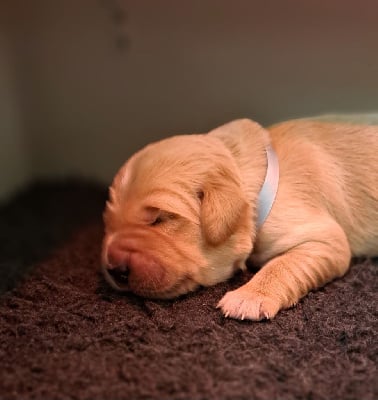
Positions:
(329, 169)
(203, 190)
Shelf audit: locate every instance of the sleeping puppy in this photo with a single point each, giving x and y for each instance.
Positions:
(298, 198)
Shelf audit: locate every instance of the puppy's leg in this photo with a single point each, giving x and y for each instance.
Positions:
(319, 254)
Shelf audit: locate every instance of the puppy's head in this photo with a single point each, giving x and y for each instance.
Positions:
(177, 218)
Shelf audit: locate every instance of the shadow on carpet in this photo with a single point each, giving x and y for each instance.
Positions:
(65, 335)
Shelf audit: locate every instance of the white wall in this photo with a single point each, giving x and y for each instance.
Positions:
(105, 77)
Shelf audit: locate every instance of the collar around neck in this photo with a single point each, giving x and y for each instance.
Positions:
(269, 189)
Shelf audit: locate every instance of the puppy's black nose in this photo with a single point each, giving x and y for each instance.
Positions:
(120, 274)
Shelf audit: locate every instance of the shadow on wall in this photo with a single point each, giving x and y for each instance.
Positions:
(41, 218)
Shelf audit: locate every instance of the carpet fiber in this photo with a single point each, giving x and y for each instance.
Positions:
(64, 334)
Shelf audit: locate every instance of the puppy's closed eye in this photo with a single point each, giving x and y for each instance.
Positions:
(158, 220)
(200, 194)
(158, 216)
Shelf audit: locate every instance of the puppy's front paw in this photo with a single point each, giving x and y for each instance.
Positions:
(244, 303)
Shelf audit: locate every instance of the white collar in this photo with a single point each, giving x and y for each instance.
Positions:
(269, 189)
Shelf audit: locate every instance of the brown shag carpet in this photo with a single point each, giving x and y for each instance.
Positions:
(65, 335)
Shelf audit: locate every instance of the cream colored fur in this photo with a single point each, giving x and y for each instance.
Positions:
(182, 212)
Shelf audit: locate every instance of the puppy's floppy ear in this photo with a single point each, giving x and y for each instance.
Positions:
(223, 205)
(243, 136)
(225, 202)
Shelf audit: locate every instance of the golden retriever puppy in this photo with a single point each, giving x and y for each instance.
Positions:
(298, 198)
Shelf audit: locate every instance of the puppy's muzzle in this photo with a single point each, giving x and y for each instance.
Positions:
(128, 268)
(116, 266)
(120, 275)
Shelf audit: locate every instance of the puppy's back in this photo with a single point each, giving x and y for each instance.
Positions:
(342, 159)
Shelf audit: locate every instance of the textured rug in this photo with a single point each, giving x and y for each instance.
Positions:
(64, 334)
